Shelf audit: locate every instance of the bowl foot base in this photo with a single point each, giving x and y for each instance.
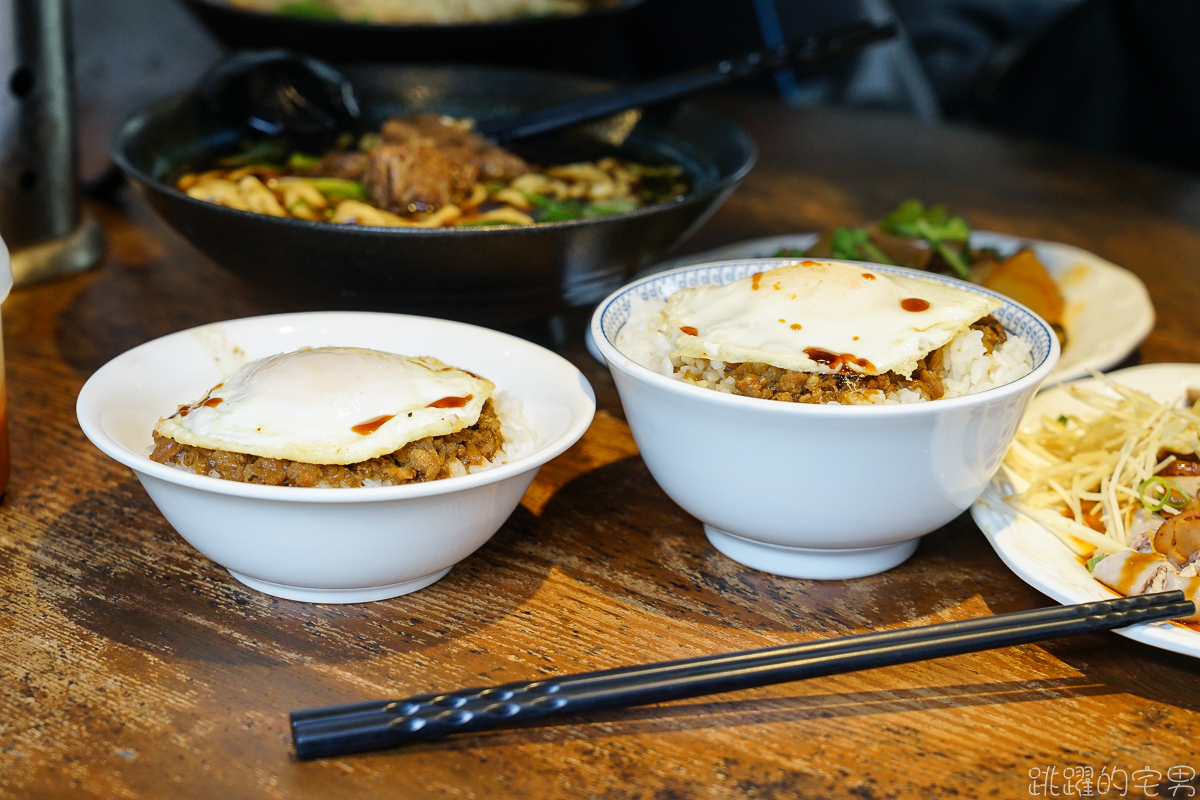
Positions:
(810, 562)
(364, 595)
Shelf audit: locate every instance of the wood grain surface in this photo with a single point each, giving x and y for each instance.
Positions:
(132, 667)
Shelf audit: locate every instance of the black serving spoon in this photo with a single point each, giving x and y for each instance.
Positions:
(274, 92)
(278, 92)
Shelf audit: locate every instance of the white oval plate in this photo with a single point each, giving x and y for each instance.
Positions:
(1038, 556)
(1096, 292)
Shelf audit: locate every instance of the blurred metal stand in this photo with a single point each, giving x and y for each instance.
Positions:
(42, 217)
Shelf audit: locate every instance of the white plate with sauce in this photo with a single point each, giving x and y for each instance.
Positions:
(1039, 557)
(1096, 291)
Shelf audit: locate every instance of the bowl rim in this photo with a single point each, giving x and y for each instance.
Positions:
(355, 26)
(618, 361)
(89, 413)
(139, 119)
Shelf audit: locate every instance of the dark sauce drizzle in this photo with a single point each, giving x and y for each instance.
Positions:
(371, 425)
(451, 402)
(839, 362)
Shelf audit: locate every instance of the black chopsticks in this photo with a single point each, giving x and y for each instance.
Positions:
(339, 730)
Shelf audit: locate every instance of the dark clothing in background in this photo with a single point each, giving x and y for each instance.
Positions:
(674, 35)
(670, 35)
(1119, 76)
(958, 41)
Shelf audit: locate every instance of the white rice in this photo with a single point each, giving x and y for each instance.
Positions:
(967, 367)
(520, 438)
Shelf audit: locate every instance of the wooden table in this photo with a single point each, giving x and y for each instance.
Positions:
(133, 667)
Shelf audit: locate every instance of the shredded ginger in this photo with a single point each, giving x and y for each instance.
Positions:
(1070, 470)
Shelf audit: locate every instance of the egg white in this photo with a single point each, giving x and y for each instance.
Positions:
(840, 308)
(304, 406)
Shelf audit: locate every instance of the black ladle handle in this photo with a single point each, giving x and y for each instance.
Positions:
(808, 50)
(348, 729)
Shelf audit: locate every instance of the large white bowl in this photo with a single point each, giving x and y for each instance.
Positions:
(330, 545)
(815, 491)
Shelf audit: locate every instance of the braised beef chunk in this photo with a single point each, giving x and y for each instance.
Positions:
(410, 177)
(422, 163)
(497, 164)
(349, 165)
(471, 153)
(428, 459)
(425, 162)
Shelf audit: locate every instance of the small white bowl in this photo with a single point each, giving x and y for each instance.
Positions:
(814, 491)
(331, 545)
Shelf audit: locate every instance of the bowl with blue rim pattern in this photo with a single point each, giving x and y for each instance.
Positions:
(821, 491)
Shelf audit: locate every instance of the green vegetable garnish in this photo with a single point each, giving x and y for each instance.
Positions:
(338, 187)
(617, 205)
(556, 211)
(855, 244)
(302, 161)
(330, 187)
(912, 220)
(264, 151)
(1169, 489)
(546, 209)
(1062, 419)
(307, 10)
(1094, 560)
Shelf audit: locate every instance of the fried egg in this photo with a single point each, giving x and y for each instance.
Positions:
(330, 405)
(822, 317)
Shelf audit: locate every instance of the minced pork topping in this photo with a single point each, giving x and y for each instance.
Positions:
(774, 383)
(429, 459)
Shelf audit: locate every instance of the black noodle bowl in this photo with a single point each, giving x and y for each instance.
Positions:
(489, 274)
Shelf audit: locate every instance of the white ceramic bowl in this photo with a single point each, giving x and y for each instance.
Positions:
(814, 491)
(331, 545)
